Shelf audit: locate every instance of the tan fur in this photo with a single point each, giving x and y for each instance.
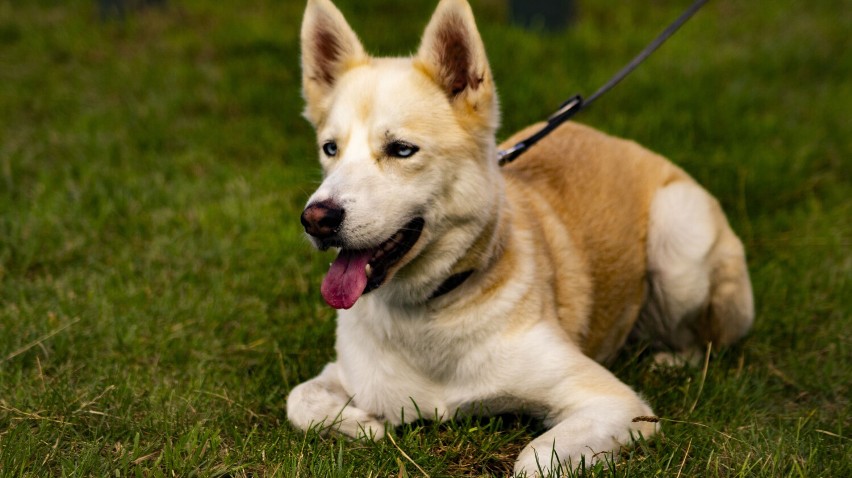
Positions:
(600, 189)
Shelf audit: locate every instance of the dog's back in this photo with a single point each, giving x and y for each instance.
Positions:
(603, 189)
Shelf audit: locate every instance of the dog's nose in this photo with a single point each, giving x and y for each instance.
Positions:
(323, 219)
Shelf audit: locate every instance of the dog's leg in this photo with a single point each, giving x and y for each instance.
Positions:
(593, 415)
(323, 403)
(699, 285)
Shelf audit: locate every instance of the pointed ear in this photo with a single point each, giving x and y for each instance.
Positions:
(452, 53)
(329, 49)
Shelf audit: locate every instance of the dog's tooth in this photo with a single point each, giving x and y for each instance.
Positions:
(369, 270)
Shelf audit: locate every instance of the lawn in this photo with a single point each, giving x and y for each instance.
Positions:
(158, 299)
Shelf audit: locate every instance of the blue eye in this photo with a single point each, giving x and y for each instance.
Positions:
(330, 148)
(401, 149)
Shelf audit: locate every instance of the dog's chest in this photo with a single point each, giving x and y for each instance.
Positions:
(412, 364)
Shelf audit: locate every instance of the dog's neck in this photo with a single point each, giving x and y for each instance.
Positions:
(484, 251)
(451, 284)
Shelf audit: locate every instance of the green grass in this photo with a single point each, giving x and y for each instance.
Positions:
(158, 301)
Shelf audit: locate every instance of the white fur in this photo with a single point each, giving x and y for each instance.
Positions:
(693, 262)
(680, 235)
(399, 364)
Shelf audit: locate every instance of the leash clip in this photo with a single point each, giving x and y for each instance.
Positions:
(506, 156)
(566, 110)
(566, 107)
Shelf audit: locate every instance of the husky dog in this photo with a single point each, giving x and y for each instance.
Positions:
(467, 288)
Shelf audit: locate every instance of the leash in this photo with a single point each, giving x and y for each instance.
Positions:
(575, 104)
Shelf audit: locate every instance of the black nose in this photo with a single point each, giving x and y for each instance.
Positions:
(323, 219)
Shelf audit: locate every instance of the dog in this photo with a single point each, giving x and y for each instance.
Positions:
(463, 287)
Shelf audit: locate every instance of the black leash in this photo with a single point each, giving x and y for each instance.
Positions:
(575, 104)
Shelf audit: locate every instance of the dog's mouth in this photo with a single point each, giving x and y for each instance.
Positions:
(356, 272)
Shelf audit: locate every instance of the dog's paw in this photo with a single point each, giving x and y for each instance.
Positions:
(533, 463)
(540, 459)
(361, 425)
(528, 465)
(322, 405)
(688, 358)
(352, 423)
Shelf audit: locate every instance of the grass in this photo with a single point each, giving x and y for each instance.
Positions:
(158, 301)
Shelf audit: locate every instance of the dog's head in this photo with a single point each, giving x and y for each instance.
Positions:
(407, 148)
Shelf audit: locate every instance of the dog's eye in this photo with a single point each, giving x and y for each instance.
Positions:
(330, 148)
(400, 149)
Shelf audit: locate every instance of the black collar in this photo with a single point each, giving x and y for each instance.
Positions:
(450, 284)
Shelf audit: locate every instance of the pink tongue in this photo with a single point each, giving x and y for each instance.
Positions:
(346, 279)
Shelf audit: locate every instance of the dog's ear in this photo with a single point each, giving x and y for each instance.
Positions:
(329, 49)
(452, 53)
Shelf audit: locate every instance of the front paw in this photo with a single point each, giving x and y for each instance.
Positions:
(540, 459)
(322, 405)
(349, 421)
(530, 464)
(359, 424)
